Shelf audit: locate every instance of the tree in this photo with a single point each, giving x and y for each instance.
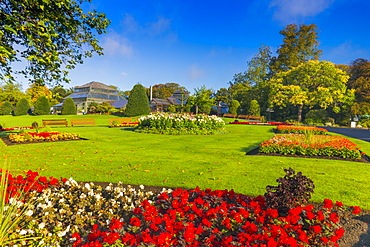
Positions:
(223, 96)
(234, 105)
(104, 107)
(6, 108)
(22, 107)
(11, 92)
(164, 91)
(42, 106)
(138, 102)
(59, 93)
(202, 100)
(52, 36)
(36, 90)
(311, 83)
(360, 82)
(254, 108)
(242, 93)
(69, 107)
(300, 44)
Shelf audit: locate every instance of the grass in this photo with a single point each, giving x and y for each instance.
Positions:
(208, 161)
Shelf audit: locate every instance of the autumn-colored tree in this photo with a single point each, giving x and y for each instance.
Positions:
(311, 83)
(36, 90)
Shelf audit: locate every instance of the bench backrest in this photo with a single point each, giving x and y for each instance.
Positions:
(120, 120)
(55, 122)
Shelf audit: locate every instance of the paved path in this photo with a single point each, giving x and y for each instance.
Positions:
(362, 134)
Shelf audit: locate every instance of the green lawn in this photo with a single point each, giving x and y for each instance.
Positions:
(214, 161)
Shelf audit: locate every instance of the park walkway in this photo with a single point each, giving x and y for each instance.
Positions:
(362, 134)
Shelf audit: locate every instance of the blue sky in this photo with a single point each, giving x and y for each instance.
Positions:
(195, 43)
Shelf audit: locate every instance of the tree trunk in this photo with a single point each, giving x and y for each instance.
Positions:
(300, 107)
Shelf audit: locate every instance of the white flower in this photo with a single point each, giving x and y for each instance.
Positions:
(141, 186)
(29, 213)
(41, 225)
(23, 232)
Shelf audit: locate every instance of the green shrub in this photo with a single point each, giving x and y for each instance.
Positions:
(69, 107)
(6, 108)
(233, 109)
(364, 123)
(138, 102)
(42, 106)
(254, 108)
(316, 117)
(22, 107)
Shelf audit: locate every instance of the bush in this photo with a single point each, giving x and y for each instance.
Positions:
(175, 124)
(293, 190)
(316, 117)
(42, 106)
(69, 107)
(254, 108)
(138, 102)
(234, 107)
(22, 107)
(6, 108)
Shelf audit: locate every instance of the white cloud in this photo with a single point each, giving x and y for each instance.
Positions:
(161, 26)
(115, 44)
(288, 11)
(195, 72)
(124, 74)
(130, 24)
(345, 53)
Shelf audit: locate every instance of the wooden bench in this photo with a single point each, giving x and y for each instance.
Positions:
(229, 115)
(55, 122)
(120, 120)
(82, 122)
(243, 116)
(259, 118)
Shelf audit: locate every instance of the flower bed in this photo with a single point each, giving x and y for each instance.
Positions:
(124, 124)
(301, 130)
(18, 128)
(175, 124)
(259, 123)
(41, 137)
(312, 145)
(64, 213)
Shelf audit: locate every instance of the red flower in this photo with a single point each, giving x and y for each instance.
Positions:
(339, 204)
(135, 222)
(316, 228)
(328, 203)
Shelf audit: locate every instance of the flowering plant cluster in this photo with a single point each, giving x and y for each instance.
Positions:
(170, 123)
(41, 136)
(66, 213)
(128, 124)
(301, 130)
(315, 145)
(219, 218)
(17, 128)
(259, 123)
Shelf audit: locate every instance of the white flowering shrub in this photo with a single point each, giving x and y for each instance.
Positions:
(70, 207)
(177, 124)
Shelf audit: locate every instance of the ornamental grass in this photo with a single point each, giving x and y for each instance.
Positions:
(311, 145)
(70, 214)
(180, 124)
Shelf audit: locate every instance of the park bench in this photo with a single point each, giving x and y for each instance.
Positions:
(243, 116)
(259, 118)
(54, 122)
(82, 122)
(229, 115)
